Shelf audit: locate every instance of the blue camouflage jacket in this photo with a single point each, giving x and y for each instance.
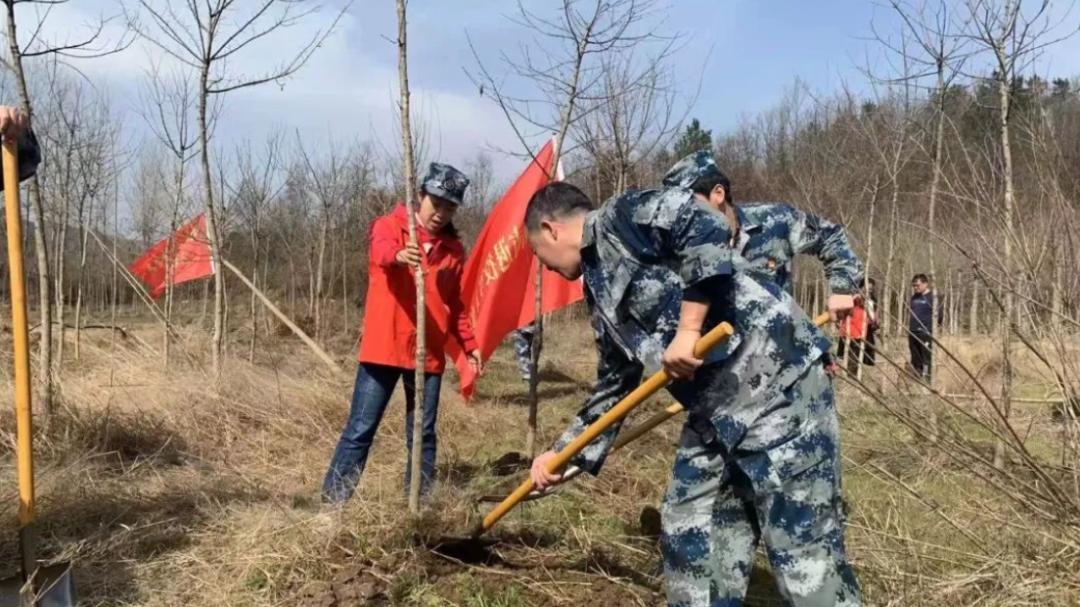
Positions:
(640, 252)
(772, 234)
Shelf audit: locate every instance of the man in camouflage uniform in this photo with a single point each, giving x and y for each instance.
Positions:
(759, 453)
(523, 349)
(769, 235)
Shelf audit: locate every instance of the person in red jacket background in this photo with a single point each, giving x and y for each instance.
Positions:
(388, 346)
(859, 329)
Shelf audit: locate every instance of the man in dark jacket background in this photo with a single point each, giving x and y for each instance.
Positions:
(921, 327)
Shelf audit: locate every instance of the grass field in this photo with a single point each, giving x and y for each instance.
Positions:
(166, 491)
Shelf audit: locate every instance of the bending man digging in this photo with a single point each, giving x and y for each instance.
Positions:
(759, 453)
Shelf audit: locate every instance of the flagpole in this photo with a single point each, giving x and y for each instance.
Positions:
(535, 344)
(537, 341)
(304, 337)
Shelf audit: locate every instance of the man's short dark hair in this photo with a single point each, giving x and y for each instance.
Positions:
(920, 278)
(707, 183)
(555, 201)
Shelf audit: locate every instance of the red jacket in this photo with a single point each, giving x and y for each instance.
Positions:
(857, 324)
(390, 306)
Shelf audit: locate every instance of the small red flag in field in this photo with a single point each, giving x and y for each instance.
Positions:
(499, 282)
(191, 259)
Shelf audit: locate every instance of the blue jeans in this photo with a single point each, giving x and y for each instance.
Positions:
(371, 395)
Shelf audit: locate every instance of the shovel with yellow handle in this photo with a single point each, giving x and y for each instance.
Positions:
(466, 548)
(37, 585)
(675, 408)
(632, 434)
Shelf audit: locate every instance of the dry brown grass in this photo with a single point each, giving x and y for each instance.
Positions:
(165, 491)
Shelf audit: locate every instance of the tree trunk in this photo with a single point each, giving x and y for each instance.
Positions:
(170, 252)
(267, 327)
(115, 281)
(79, 285)
(170, 290)
(253, 306)
(331, 283)
(226, 317)
(323, 229)
(887, 287)
(205, 303)
(292, 285)
(902, 304)
(255, 253)
(410, 206)
(166, 335)
(954, 307)
(345, 323)
(212, 235)
(59, 291)
(935, 181)
(866, 285)
(1056, 311)
(973, 317)
(1009, 311)
(311, 283)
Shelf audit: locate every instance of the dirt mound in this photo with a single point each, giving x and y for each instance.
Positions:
(544, 584)
(358, 584)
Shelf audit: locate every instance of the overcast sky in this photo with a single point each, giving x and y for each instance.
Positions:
(749, 51)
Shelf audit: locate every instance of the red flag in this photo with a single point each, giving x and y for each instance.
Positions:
(191, 258)
(499, 282)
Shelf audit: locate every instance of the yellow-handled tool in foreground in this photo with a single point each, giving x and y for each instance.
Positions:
(465, 546)
(36, 585)
(632, 434)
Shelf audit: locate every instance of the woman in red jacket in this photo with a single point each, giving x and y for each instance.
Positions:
(388, 346)
(859, 329)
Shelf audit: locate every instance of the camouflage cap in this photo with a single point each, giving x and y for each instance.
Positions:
(446, 182)
(686, 172)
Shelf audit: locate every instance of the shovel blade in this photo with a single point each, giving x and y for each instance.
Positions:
(51, 586)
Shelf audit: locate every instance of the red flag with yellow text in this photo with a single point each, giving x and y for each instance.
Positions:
(191, 259)
(499, 282)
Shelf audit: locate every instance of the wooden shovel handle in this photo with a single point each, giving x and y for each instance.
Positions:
(634, 433)
(658, 380)
(674, 409)
(20, 333)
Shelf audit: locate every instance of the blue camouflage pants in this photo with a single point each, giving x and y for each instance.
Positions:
(781, 482)
(523, 349)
